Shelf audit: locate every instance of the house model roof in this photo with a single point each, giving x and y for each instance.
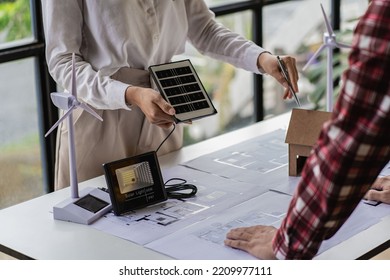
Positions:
(305, 126)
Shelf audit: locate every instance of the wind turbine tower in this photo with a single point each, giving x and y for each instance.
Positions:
(329, 43)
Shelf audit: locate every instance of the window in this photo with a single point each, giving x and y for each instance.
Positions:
(16, 26)
(289, 30)
(20, 161)
(23, 157)
(230, 88)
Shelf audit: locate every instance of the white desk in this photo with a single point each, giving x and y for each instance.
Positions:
(28, 230)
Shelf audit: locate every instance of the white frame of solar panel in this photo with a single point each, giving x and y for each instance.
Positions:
(202, 99)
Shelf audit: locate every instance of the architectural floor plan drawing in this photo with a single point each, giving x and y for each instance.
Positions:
(247, 161)
(204, 240)
(215, 194)
(242, 185)
(217, 232)
(207, 238)
(144, 225)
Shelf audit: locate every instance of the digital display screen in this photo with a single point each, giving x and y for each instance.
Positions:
(91, 203)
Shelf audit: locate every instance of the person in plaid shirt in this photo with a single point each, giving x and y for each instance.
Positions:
(353, 147)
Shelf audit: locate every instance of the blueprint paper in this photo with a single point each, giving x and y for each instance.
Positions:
(362, 218)
(242, 185)
(247, 161)
(205, 240)
(215, 194)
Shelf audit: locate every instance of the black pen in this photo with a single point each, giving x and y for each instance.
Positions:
(286, 77)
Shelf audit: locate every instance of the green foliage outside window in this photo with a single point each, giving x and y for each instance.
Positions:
(15, 20)
(317, 74)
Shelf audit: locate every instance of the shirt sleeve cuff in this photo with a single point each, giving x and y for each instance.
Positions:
(117, 92)
(251, 57)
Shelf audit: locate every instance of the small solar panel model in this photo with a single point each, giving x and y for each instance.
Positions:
(180, 86)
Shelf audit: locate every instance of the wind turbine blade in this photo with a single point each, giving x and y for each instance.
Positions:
(60, 120)
(317, 53)
(89, 110)
(328, 26)
(74, 88)
(342, 45)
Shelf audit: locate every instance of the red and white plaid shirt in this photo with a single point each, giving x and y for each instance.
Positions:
(353, 146)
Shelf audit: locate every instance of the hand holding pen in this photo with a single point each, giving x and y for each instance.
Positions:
(286, 76)
(284, 70)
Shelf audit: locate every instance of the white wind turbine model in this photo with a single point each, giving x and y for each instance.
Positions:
(95, 202)
(330, 43)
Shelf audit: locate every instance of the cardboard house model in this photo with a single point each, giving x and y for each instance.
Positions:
(303, 131)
